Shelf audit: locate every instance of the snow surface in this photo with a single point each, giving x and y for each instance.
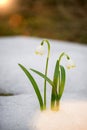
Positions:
(69, 117)
(18, 112)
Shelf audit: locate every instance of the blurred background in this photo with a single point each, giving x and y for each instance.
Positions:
(55, 19)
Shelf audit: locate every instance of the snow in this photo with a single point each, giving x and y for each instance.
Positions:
(69, 117)
(18, 112)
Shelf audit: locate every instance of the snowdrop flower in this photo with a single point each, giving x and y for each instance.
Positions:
(39, 50)
(70, 64)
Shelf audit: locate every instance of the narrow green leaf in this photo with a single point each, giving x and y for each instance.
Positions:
(62, 81)
(56, 74)
(34, 84)
(54, 94)
(43, 76)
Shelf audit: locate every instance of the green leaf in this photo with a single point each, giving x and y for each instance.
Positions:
(54, 94)
(43, 76)
(56, 74)
(62, 81)
(34, 84)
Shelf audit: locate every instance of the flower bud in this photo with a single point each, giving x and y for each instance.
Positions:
(39, 50)
(70, 64)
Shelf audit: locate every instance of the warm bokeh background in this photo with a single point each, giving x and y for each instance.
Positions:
(55, 19)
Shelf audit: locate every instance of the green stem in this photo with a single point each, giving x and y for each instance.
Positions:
(63, 54)
(55, 105)
(45, 83)
(47, 60)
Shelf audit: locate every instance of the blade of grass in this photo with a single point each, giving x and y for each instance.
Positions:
(43, 76)
(34, 84)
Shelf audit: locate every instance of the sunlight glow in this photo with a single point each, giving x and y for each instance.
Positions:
(4, 2)
(7, 6)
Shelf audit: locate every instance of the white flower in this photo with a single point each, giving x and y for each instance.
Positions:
(39, 50)
(70, 64)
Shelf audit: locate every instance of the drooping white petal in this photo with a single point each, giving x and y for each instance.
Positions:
(70, 64)
(39, 50)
